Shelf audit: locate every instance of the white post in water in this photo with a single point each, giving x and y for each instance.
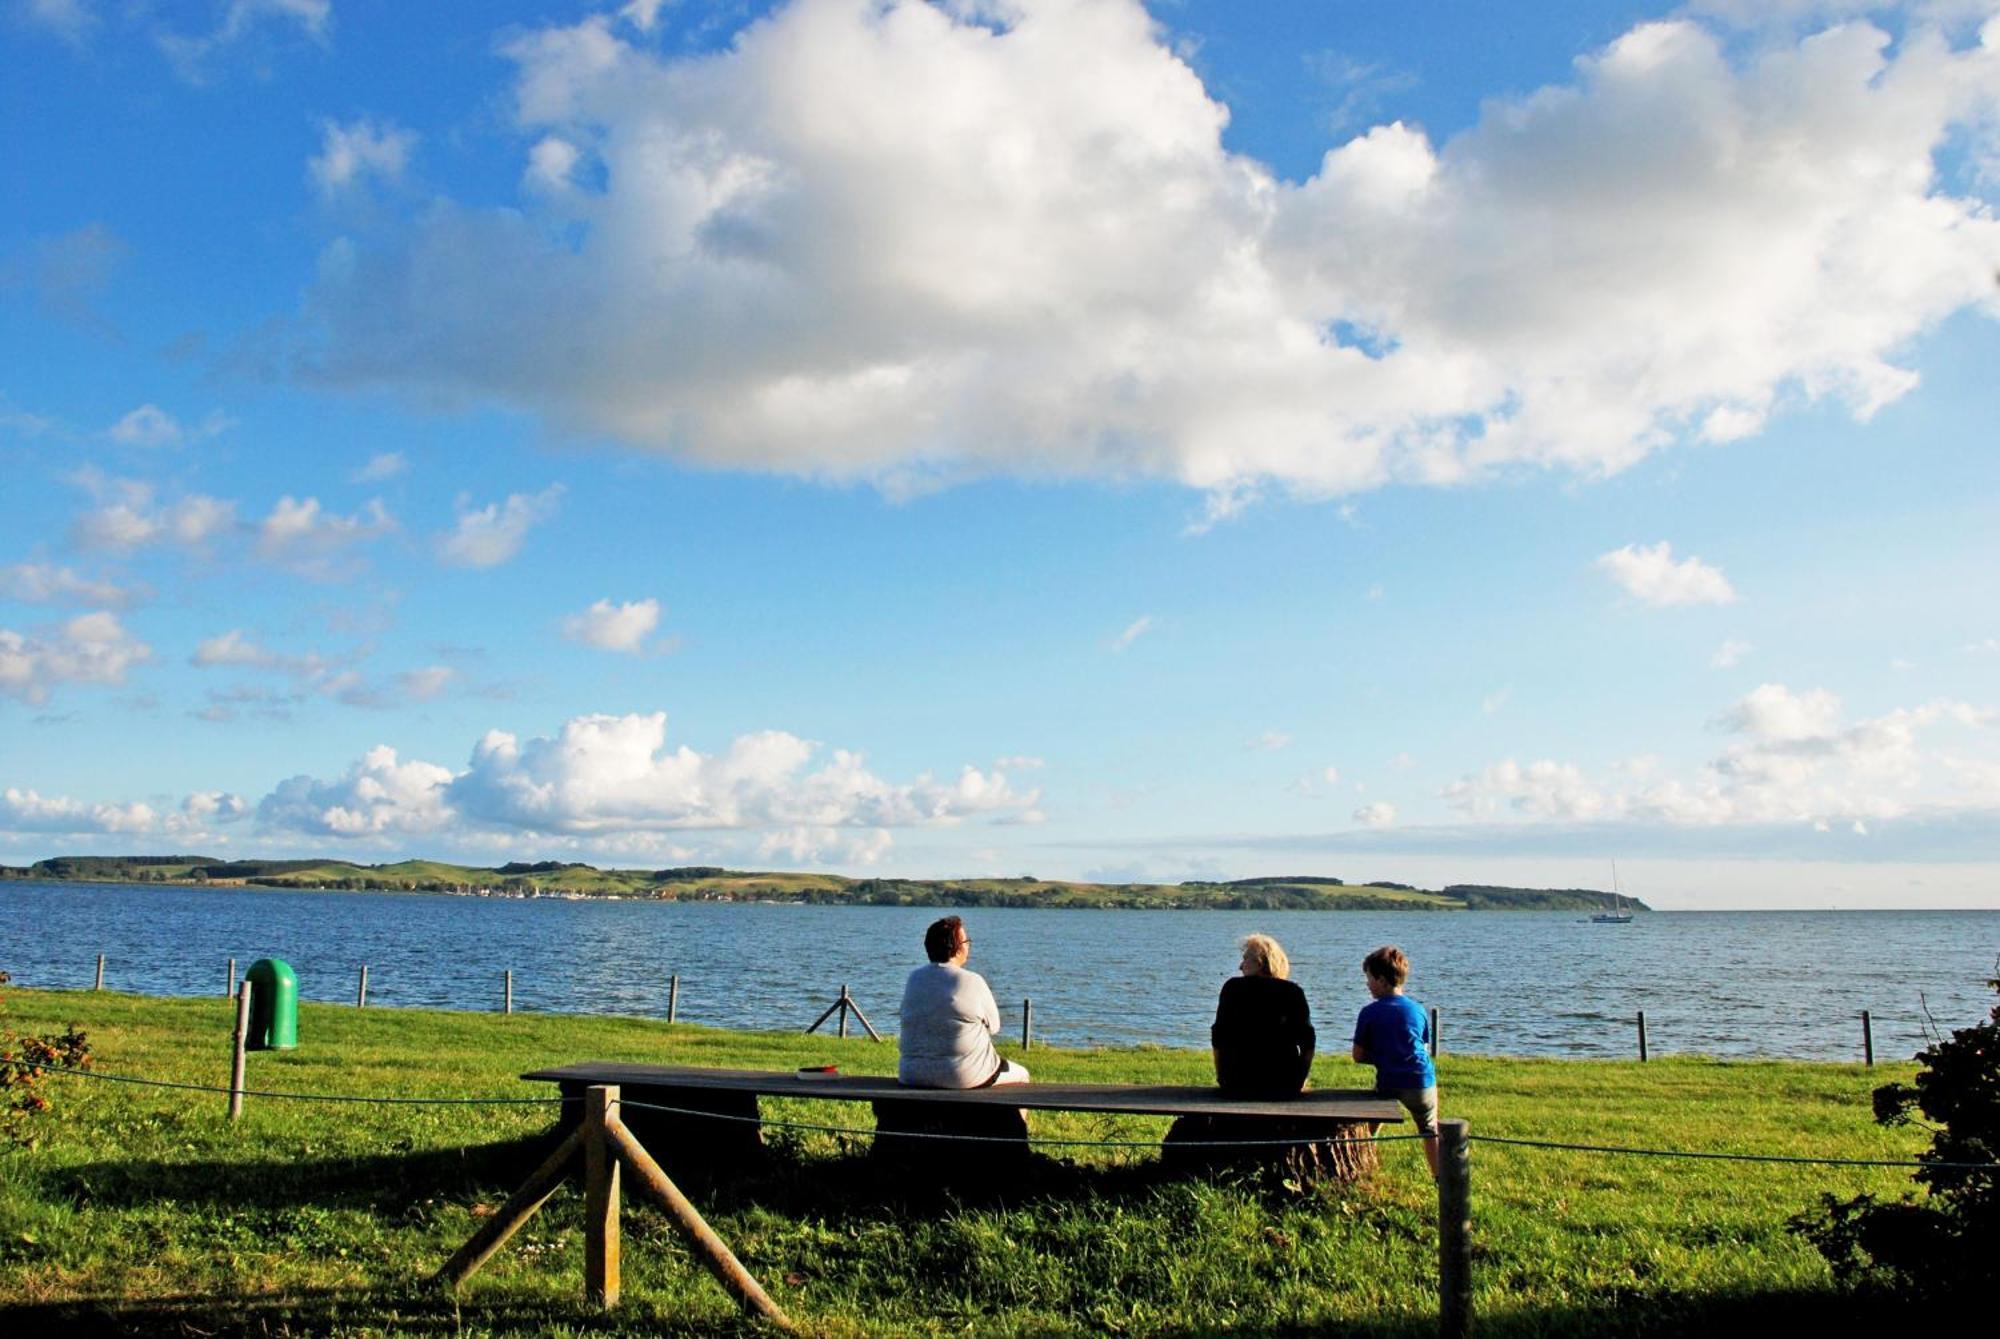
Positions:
(508, 1004)
(361, 991)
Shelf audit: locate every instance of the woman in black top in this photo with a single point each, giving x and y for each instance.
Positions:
(1263, 1034)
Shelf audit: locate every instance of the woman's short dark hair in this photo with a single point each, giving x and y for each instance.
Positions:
(941, 940)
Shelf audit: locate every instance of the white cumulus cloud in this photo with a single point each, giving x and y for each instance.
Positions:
(128, 514)
(895, 240)
(360, 149)
(1730, 654)
(614, 627)
(148, 425)
(490, 535)
(1794, 758)
(1649, 574)
(41, 583)
(1380, 814)
(307, 538)
(90, 648)
(382, 465)
(379, 795)
(28, 811)
(603, 776)
(606, 773)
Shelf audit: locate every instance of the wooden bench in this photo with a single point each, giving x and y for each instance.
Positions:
(716, 1117)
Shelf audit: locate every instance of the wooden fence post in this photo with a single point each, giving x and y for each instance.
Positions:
(673, 998)
(361, 991)
(237, 1046)
(1437, 1037)
(519, 1208)
(1642, 1035)
(1027, 1024)
(507, 1003)
(1454, 1186)
(100, 973)
(230, 993)
(600, 1197)
(714, 1254)
(1867, 1038)
(844, 1006)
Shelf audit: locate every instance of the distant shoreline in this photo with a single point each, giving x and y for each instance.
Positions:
(570, 881)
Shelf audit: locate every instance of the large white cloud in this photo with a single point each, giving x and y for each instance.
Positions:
(600, 776)
(1794, 758)
(890, 239)
(90, 648)
(378, 796)
(24, 811)
(607, 773)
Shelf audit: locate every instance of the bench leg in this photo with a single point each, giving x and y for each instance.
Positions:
(901, 1130)
(694, 1146)
(1324, 1149)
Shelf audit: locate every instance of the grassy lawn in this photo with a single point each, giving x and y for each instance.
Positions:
(143, 1210)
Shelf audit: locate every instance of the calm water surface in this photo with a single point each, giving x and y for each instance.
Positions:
(1517, 983)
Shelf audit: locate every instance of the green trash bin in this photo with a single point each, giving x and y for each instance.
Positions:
(274, 1006)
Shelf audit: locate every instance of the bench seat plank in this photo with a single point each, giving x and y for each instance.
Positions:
(1128, 1099)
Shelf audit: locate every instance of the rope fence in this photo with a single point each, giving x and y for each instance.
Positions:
(867, 1132)
(1592, 1033)
(303, 1097)
(603, 1146)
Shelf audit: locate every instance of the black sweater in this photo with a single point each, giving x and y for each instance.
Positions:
(1263, 1037)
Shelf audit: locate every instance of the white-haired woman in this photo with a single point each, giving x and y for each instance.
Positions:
(1263, 1034)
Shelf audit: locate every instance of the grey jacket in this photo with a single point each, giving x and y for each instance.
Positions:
(949, 1019)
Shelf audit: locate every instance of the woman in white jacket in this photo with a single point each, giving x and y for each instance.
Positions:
(949, 1019)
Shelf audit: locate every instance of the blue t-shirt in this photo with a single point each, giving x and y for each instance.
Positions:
(1396, 1034)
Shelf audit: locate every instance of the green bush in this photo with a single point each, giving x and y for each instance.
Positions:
(1943, 1244)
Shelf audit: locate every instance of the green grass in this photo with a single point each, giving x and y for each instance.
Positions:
(145, 1211)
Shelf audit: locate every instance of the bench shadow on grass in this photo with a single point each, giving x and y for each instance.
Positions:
(338, 1311)
(851, 1186)
(430, 1314)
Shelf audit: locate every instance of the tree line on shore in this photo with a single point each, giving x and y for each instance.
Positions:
(546, 878)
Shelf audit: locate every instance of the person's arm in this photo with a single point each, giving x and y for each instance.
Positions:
(989, 1010)
(1360, 1047)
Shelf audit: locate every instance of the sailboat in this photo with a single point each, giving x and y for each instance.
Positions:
(1617, 915)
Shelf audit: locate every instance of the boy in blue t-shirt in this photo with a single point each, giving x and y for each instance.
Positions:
(1394, 1035)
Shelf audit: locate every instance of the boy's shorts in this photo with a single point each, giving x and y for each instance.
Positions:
(1421, 1103)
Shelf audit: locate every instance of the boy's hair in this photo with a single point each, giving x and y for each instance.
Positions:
(1265, 952)
(941, 940)
(1387, 963)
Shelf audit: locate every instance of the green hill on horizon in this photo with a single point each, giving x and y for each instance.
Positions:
(546, 878)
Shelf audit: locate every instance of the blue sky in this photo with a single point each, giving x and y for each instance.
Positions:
(1057, 437)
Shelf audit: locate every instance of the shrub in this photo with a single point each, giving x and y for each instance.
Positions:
(1943, 1244)
(22, 1062)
